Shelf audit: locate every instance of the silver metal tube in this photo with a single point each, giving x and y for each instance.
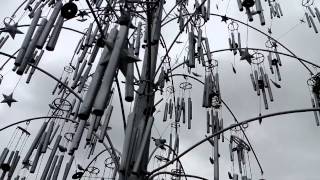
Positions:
(55, 34)
(47, 138)
(93, 36)
(262, 19)
(208, 122)
(264, 98)
(129, 86)
(67, 169)
(38, 154)
(256, 77)
(46, 31)
(313, 25)
(53, 164)
(105, 123)
(3, 41)
(4, 155)
(94, 54)
(235, 177)
(317, 13)
(105, 89)
(311, 12)
(31, 48)
(258, 6)
(88, 35)
(315, 113)
(240, 5)
(208, 49)
(270, 62)
(57, 168)
(170, 108)
(79, 73)
(239, 41)
(35, 143)
(191, 53)
(14, 164)
(278, 72)
(37, 59)
(308, 19)
(54, 133)
(189, 112)
(165, 112)
(28, 37)
(34, 9)
(253, 82)
(127, 139)
(92, 122)
(279, 9)
(138, 40)
(77, 137)
(231, 152)
(84, 78)
(199, 38)
(269, 87)
(145, 138)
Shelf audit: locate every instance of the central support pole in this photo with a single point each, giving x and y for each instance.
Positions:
(138, 131)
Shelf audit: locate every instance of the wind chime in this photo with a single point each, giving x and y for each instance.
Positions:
(311, 13)
(11, 154)
(260, 79)
(275, 9)
(274, 61)
(252, 8)
(234, 38)
(241, 149)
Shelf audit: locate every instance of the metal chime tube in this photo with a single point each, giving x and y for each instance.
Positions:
(67, 169)
(239, 160)
(262, 19)
(105, 123)
(313, 24)
(253, 82)
(178, 110)
(191, 53)
(170, 108)
(308, 20)
(93, 36)
(105, 89)
(14, 164)
(54, 162)
(208, 122)
(38, 154)
(73, 103)
(79, 73)
(315, 113)
(57, 168)
(183, 110)
(240, 5)
(3, 41)
(208, 49)
(37, 59)
(27, 38)
(129, 86)
(46, 31)
(31, 48)
(165, 112)
(270, 62)
(35, 143)
(311, 12)
(269, 87)
(34, 9)
(220, 128)
(84, 78)
(235, 177)
(54, 133)
(208, 10)
(199, 39)
(257, 82)
(279, 9)
(233, 42)
(317, 13)
(51, 156)
(278, 72)
(258, 6)
(138, 40)
(94, 54)
(77, 137)
(91, 127)
(128, 138)
(205, 102)
(47, 138)
(144, 140)
(55, 34)
(4, 155)
(156, 32)
(170, 144)
(189, 112)
(231, 151)
(216, 157)
(239, 42)
(88, 34)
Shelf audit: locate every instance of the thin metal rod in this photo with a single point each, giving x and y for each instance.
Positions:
(121, 104)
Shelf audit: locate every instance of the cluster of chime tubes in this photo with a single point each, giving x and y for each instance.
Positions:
(178, 109)
(240, 147)
(275, 9)
(3, 40)
(251, 12)
(192, 41)
(312, 14)
(211, 91)
(261, 84)
(233, 44)
(274, 62)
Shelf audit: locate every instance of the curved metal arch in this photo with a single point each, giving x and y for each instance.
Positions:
(231, 127)
(175, 174)
(63, 27)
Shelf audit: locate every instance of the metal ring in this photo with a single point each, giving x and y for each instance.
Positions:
(233, 26)
(68, 69)
(185, 85)
(93, 170)
(62, 104)
(307, 3)
(258, 58)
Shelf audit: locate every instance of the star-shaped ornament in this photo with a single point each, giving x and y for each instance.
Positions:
(246, 56)
(8, 99)
(83, 14)
(224, 18)
(27, 165)
(12, 29)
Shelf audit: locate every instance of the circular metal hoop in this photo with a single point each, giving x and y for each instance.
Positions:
(185, 85)
(68, 136)
(68, 69)
(9, 21)
(175, 124)
(62, 104)
(170, 89)
(233, 26)
(258, 58)
(307, 3)
(109, 163)
(270, 43)
(93, 170)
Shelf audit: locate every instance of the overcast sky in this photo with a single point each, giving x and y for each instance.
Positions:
(287, 146)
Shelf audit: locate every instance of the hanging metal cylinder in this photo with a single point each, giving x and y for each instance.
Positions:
(105, 89)
(53, 165)
(105, 124)
(183, 110)
(93, 36)
(3, 41)
(315, 113)
(84, 78)
(253, 82)
(206, 41)
(77, 137)
(256, 77)
(129, 86)
(38, 153)
(258, 6)
(308, 20)
(35, 143)
(4, 155)
(76, 80)
(54, 133)
(199, 39)
(165, 112)
(208, 122)
(138, 40)
(311, 12)
(46, 31)
(68, 167)
(37, 60)
(317, 13)
(262, 19)
(313, 25)
(31, 48)
(88, 34)
(235, 177)
(191, 52)
(28, 37)
(34, 9)
(231, 151)
(279, 9)
(240, 5)
(92, 122)
(145, 138)
(55, 34)
(129, 136)
(14, 164)
(57, 168)
(170, 108)
(269, 87)
(47, 138)
(156, 32)
(94, 54)
(189, 112)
